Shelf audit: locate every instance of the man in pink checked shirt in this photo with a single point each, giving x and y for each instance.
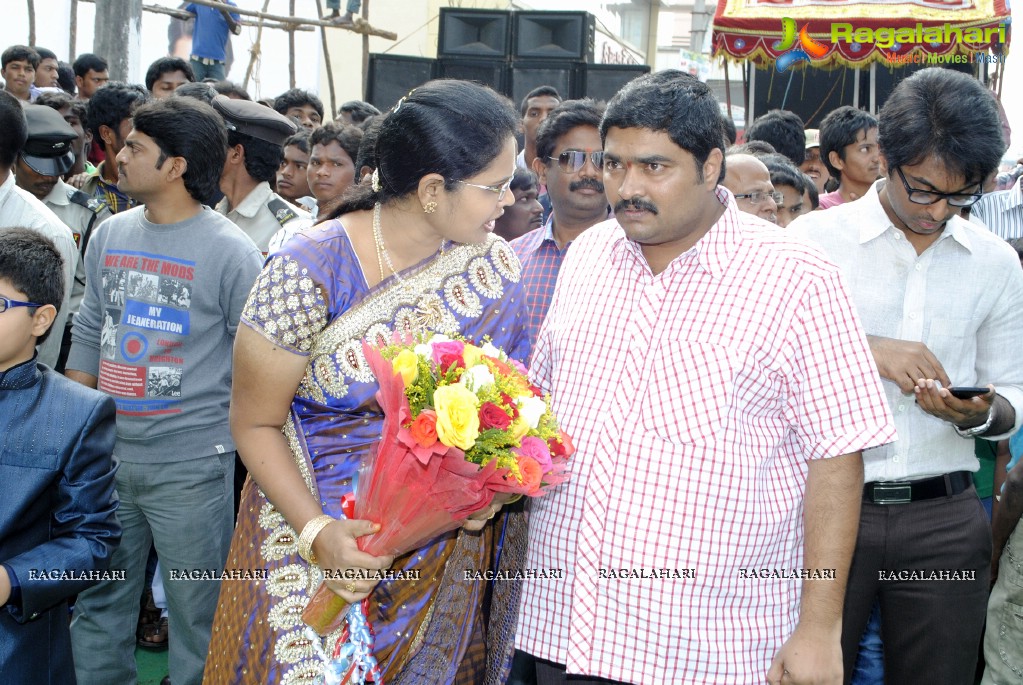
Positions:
(719, 390)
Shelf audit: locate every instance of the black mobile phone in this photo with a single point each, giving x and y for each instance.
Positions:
(965, 392)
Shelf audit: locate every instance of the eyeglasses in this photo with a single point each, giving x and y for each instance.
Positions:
(572, 161)
(6, 304)
(758, 196)
(929, 197)
(501, 190)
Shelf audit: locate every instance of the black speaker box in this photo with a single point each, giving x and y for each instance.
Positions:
(602, 81)
(391, 77)
(492, 73)
(553, 35)
(474, 33)
(524, 76)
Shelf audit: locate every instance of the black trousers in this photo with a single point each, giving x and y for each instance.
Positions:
(550, 673)
(907, 555)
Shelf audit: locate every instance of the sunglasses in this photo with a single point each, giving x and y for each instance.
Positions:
(572, 161)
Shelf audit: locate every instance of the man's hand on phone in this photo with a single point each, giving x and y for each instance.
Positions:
(937, 401)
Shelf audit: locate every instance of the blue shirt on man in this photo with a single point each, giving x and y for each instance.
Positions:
(211, 31)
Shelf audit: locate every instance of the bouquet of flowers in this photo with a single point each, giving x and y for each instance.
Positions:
(462, 423)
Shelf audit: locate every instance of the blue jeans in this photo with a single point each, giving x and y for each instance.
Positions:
(353, 5)
(202, 71)
(185, 508)
(870, 660)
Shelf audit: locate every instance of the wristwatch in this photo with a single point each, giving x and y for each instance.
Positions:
(982, 428)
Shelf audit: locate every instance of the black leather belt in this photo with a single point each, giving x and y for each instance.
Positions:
(904, 491)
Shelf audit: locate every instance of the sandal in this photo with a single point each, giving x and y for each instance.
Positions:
(155, 636)
(149, 614)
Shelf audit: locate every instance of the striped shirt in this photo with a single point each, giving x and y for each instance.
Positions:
(695, 398)
(1001, 212)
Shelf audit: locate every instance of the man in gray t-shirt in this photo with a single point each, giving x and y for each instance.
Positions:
(165, 286)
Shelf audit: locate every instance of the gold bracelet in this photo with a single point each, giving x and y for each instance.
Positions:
(514, 499)
(309, 533)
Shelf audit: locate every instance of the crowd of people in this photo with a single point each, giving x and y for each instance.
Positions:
(785, 363)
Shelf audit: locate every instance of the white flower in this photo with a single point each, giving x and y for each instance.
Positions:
(531, 408)
(424, 351)
(477, 377)
(490, 350)
(439, 338)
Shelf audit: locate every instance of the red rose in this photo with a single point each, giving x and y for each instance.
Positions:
(510, 404)
(561, 446)
(424, 428)
(536, 391)
(447, 361)
(492, 416)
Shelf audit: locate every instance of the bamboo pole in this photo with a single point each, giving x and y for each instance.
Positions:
(291, 48)
(357, 27)
(256, 49)
(183, 15)
(326, 59)
(72, 47)
(31, 22)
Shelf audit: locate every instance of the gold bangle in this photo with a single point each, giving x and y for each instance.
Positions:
(514, 499)
(309, 533)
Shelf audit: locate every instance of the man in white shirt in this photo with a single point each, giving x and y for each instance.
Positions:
(940, 301)
(20, 209)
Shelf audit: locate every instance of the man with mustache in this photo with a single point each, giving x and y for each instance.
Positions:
(719, 391)
(568, 161)
(850, 152)
(939, 298)
(47, 155)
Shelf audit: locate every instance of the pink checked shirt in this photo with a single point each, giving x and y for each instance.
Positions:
(695, 398)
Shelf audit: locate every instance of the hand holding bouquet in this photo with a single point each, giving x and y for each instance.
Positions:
(462, 424)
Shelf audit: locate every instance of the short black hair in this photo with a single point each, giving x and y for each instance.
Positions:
(31, 263)
(752, 147)
(299, 140)
(296, 97)
(811, 189)
(523, 178)
(367, 156)
(231, 89)
(200, 91)
(44, 53)
(676, 103)
(19, 53)
(945, 114)
(840, 128)
(87, 62)
(166, 65)
(783, 171)
(189, 128)
(358, 110)
(60, 100)
(66, 78)
(346, 135)
(568, 115)
(783, 130)
(448, 127)
(262, 158)
(14, 127)
(112, 103)
(728, 128)
(540, 91)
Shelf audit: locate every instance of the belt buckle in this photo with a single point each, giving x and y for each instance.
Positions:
(892, 493)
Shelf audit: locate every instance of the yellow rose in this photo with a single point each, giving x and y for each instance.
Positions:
(472, 355)
(518, 429)
(407, 364)
(458, 420)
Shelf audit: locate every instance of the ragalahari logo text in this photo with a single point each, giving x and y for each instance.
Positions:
(807, 50)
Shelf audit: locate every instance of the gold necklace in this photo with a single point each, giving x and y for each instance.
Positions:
(382, 255)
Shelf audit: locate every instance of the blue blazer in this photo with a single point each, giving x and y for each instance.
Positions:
(56, 513)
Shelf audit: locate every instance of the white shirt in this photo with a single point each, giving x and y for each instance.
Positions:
(255, 217)
(21, 209)
(695, 398)
(963, 298)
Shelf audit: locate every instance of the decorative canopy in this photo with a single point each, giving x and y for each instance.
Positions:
(931, 31)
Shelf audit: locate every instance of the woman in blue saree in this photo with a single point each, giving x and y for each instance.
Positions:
(411, 252)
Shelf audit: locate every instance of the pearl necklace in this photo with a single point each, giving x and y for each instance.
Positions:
(382, 255)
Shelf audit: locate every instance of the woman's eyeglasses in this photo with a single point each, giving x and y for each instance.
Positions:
(501, 190)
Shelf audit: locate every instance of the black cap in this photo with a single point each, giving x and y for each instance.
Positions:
(254, 119)
(48, 148)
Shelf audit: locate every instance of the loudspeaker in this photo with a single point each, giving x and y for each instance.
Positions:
(602, 81)
(525, 76)
(391, 77)
(474, 33)
(493, 73)
(554, 35)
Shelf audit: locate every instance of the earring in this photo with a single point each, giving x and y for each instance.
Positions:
(430, 207)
